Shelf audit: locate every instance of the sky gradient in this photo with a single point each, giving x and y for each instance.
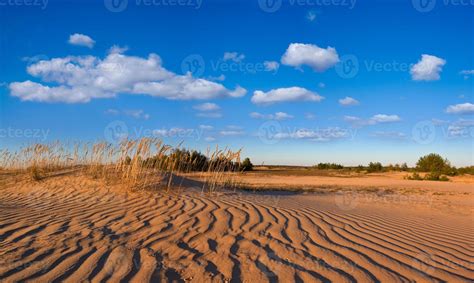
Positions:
(290, 82)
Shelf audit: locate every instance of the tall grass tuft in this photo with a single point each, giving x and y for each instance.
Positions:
(134, 163)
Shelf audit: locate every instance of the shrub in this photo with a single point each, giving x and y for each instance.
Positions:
(433, 163)
(375, 167)
(415, 176)
(435, 176)
(326, 166)
(246, 165)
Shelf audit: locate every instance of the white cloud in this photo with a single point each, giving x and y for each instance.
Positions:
(428, 68)
(348, 101)
(118, 49)
(464, 108)
(137, 114)
(206, 107)
(81, 40)
(461, 129)
(210, 139)
(376, 119)
(309, 116)
(322, 85)
(209, 115)
(284, 95)
(271, 66)
(467, 72)
(319, 59)
(80, 79)
(389, 135)
(206, 127)
(319, 135)
(280, 116)
(234, 56)
(231, 133)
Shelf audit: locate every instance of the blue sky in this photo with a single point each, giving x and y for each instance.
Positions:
(312, 81)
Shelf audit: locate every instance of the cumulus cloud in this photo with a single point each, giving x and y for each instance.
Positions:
(318, 135)
(319, 59)
(428, 68)
(279, 116)
(467, 72)
(348, 101)
(284, 95)
(233, 56)
(464, 108)
(81, 40)
(271, 66)
(206, 127)
(80, 79)
(118, 49)
(376, 119)
(206, 107)
(461, 129)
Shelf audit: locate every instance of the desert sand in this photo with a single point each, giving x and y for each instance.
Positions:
(76, 229)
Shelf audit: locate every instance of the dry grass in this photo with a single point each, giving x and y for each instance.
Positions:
(122, 163)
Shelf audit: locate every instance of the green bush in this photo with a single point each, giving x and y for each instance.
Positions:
(326, 166)
(415, 176)
(374, 167)
(246, 165)
(433, 163)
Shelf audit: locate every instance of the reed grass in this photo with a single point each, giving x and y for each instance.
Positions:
(137, 164)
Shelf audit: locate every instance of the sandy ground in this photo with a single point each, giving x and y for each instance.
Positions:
(74, 229)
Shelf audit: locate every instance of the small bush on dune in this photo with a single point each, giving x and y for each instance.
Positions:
(246, 165)
(414, 176)
(327, 166)
(374, 167)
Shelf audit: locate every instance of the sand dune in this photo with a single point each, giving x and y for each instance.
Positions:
(83, 231)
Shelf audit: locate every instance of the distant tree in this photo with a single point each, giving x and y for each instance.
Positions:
(246, 165)
(325, 166)
(433, 163)
(374, 167)
(404, 167)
